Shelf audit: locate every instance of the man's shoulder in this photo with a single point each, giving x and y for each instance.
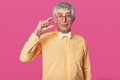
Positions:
(78, 37)
(48, 34)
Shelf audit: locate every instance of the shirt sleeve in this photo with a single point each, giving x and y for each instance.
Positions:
(31, 49)
(86, 68)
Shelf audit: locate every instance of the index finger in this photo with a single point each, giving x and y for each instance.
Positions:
(49, 19)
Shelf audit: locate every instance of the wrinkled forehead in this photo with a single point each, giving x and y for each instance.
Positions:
(63, 11)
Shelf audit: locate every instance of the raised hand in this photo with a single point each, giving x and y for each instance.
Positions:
(43, 25)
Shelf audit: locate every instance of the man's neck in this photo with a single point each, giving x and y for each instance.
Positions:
(64, 32)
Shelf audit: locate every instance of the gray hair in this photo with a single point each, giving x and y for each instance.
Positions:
(64, 5)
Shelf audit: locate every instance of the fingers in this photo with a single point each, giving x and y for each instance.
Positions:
(50, 26)
(49, 19)
(45, 23)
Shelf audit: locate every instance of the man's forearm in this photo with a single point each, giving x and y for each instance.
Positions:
(30, 49)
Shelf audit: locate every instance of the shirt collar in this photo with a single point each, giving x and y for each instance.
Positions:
(62, 35)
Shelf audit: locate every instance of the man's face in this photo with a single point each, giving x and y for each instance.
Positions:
(63, 20)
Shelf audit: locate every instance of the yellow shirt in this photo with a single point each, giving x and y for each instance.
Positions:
(63, 59)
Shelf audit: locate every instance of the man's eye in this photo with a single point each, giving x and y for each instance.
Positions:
(68, 15)
(60, 16)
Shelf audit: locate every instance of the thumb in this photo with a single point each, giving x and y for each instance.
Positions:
(50, 26)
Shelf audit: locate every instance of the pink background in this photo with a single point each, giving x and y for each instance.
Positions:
(96, 20)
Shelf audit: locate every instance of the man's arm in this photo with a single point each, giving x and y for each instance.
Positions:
(32, 47)
(87, 68)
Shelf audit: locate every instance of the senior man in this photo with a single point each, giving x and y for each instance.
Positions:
(65, 54)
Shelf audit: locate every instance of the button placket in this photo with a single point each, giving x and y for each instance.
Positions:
(68, 60)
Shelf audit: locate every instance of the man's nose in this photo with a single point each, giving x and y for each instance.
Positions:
(64, 18)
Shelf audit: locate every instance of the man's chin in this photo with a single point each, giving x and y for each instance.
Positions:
(65, 30)
(64, 27)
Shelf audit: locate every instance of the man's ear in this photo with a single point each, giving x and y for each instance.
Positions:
(73, 19)
(54, 20)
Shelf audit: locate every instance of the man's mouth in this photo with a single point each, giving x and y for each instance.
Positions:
(64, 25)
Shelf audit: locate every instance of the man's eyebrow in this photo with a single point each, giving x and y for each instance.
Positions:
(68, 13)
(61, 13)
